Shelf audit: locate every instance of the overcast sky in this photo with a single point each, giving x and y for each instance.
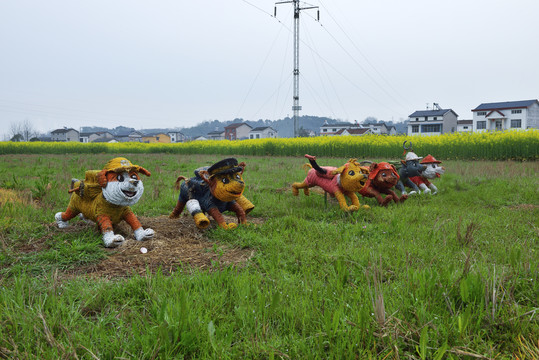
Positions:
(171, 63)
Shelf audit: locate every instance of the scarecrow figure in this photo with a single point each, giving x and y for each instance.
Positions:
(337, 182)
(382, 177)
(213, 190)
(104, 196)
(410, 167)
(433, 171)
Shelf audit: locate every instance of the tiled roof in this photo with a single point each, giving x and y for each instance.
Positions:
(357, 131)
(430, 112)
(505, 105)
(236, 125)
(61, 131)
(338, 124)
(261, 128)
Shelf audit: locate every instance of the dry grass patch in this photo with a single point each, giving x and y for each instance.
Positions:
(177, 242)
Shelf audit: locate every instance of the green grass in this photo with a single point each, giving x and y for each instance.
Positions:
(448, 276)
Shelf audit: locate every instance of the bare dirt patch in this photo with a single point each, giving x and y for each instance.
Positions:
(177, 243)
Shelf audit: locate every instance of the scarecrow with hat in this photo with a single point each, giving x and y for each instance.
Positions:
(213, 190)
(433, 171)
(410, 167)
(382, 178)
(104, 196)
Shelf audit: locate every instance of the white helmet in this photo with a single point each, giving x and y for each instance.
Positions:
(412, 156)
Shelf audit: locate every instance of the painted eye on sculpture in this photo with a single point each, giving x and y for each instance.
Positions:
(384, 174)
(433, 166)
(238, 176)
(120, 177)
(134, 177)
(351, 173)
(225, 181)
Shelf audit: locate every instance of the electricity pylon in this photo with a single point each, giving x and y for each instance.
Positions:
(297, 9)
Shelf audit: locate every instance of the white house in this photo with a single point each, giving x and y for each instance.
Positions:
(355, 131)
(237, 131)
(432, 122)
(507, 115)
(464, 125)
(380, 128)
(216, 135)
(176, 136)
(84, 137)
(332, 129)
(262, 132)
(65, 134)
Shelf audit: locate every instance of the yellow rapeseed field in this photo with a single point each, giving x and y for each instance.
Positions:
(518, 145)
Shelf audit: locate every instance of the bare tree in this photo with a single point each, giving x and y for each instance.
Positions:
(25, 129)
(14, 130)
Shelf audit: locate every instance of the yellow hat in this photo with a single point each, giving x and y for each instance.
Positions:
(120, 164)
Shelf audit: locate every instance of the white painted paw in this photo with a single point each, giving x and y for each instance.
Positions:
(112, 240)
(143, 234)
(427, 191)
(61, 223)
(413, 192)
(83, 218)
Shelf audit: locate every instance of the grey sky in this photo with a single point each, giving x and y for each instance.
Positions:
(168, 63)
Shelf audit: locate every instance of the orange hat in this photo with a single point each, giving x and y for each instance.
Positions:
(429, 159)
(382, 166)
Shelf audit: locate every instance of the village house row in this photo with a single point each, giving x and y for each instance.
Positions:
(486, 117)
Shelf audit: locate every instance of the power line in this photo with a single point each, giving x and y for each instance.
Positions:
(297, 10)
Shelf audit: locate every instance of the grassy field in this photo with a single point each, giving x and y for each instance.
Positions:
(450, 276)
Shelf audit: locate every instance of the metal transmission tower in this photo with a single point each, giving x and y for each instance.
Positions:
(297, 9)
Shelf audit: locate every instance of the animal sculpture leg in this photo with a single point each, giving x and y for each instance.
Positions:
(240, 213)
(201, 221)
(433, 188)
(425, 189)
(401, 188)
(177, 210)
(246, 205)
(109, 238)
(62, 218)
(216, 214)
(303, 185)
(139, 232)
(392, 195)
(342, 202)
(410, 184)
(355, 201)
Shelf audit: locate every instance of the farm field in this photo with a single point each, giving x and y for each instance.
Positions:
(449, 276)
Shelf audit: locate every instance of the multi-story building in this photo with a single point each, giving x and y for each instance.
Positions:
(216, 135)
(332, 129)
(237, 131)
(65, 134)
(176, 136)
(507, 115)
(156, 138)
(263, 132)
(464, 125)
(432, 122)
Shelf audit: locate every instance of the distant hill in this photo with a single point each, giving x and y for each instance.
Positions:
(285, 127)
